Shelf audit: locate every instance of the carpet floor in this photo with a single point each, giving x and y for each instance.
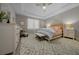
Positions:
(61, 46)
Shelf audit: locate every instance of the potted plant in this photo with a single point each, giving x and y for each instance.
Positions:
(4, 17)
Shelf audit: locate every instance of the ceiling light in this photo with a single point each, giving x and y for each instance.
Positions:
(44, 7)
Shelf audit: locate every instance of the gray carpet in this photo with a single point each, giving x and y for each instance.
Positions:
(61, 46)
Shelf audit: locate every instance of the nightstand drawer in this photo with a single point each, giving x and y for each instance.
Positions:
(69, 33)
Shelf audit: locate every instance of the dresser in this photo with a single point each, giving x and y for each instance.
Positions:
(9, 38)
(17, 35)
(70, 33)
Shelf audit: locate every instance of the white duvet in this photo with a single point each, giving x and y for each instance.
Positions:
(45, 31)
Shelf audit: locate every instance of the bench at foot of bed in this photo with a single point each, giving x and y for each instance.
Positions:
(41, 37)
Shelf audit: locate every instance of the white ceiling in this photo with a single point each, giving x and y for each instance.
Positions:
(32, 10)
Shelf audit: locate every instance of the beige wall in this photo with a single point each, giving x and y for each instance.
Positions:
(67, 16)
(21, 18)
(42, 23)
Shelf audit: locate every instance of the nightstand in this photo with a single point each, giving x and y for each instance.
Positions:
(69, 33)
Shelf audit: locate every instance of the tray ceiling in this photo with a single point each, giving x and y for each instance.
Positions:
(32, 10)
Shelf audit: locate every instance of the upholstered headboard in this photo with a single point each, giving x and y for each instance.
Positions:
(58, 28)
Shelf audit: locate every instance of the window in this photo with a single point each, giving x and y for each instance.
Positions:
(33, 24)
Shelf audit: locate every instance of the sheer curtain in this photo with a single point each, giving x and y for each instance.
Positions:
(33, 24)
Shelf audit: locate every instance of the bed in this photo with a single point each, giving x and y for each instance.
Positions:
(54, 31)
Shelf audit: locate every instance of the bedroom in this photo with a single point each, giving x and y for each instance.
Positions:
(40, 29)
